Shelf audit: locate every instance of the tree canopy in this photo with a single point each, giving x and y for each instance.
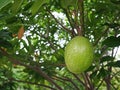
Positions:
(33, 36)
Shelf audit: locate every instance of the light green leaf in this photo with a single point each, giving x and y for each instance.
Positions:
(3, 3)
(16, 5)
(36, 5)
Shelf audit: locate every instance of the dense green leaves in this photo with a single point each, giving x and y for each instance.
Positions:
(3, 3)
(36, 61)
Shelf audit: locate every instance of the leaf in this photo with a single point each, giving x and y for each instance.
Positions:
(21, 32)
(103, 73)
(5, 43)
(106, 58)
(11, 20)
(112, 41)
(3, 3)
(16, 5)
(66, 3)
(5, 34)
(115, 1)
(28, 5)
(114, 64)
(36, 5)
(93, 75)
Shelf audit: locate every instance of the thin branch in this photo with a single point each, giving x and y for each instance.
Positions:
(70, 20)
(89, 82)
(115, 74)
(86, 82)
(99, 85)
(35, 68)
(78, 79)
(113, 86)
(69, 31)
(62, 81)
(69, 80)
(105, 31)
(33, 83)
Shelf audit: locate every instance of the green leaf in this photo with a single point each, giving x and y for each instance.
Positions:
(114, 64)
(16, 5)
(115, 1)
(112, 41)
(93, 75)
(5, 43)
(36, 5)
(103, 73)
(106, 58)
(11, 20)
(3, 3)
(66, 3)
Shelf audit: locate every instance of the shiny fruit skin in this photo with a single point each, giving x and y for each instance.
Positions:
(78, 54)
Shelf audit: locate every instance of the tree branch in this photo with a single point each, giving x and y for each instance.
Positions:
(69, 80)
(78, 79)
(60, 23)
(35, 68)
(33, 83)
(105, 31)
(81, 7)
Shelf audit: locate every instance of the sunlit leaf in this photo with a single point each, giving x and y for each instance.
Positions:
(36, 5)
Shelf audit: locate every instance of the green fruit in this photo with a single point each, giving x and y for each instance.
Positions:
(78, 54)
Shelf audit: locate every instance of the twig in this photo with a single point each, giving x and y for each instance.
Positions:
(113, 86)
(106, 30)
(62, 81)
(86, 82)
(89, 82)
(78, 79)
(71, 21)
(60, 23)
(68, 79)
(99, 85)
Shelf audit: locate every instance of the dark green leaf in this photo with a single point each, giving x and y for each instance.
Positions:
(11, 20)
(103, 73)
(114, 64)
(112, 41)
(106, 58)
(93, 75)
(5, 43)
(5, 34)
(115, 1)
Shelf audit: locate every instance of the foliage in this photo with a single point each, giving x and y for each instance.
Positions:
(32, 58)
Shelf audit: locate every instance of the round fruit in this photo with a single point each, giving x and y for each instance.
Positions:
(78, 54)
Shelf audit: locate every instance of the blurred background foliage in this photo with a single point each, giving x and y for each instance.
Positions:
(34, 33)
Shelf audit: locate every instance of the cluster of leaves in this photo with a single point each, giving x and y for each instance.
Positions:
(37, 58)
